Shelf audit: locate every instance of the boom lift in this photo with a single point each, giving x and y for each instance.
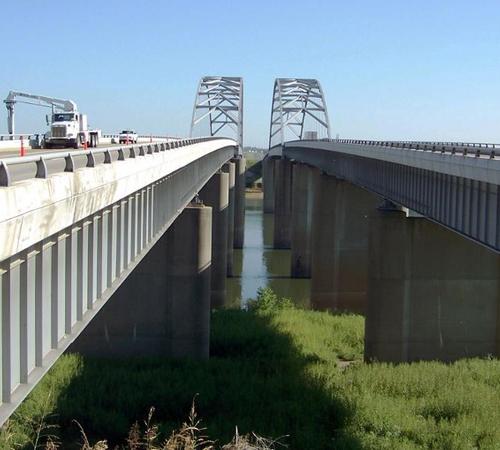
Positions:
(68, 127)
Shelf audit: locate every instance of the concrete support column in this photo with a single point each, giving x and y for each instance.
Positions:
(216, 194)
(301, 228)
(189, 245)
(230, 169)
(432, 293)
(163, 307)
(268, 184)
(282, 203)
(340, 245)
(239, 202)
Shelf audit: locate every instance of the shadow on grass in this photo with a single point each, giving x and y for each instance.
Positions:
(256, 379)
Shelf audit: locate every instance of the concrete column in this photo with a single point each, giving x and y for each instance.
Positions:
(230, 168)
(432, 293)
(340, 245)
(301, 228)
(189, 244)
(239, 202)
(163, 307)
(268, 184)
(216, 194)
(282, 203)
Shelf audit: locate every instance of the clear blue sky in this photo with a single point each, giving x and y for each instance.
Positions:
(390, 69)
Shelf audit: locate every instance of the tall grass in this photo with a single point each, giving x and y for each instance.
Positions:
(278, 371)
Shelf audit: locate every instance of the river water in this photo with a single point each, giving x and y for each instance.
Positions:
(259, 265)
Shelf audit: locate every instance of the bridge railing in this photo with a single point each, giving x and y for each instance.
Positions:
(141, 136)
(110, 154)
(476, 149)
(17, 136)
(29, 136)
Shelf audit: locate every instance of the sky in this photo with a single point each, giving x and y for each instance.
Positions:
(421, 70)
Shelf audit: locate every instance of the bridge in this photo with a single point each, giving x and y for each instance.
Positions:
(405, 233)
(124, 250)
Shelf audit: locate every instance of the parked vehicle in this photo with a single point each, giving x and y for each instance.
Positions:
(128, 137)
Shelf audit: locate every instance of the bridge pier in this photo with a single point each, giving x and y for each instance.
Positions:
(340, 245)
(230, 168)
(268, 184)
(301, 233)
(282, 203)
(163, 307)
(433, 294)
(216, 194)
(239, 201)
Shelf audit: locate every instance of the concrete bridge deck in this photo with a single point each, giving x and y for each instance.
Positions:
(452, 184)
(68, 240)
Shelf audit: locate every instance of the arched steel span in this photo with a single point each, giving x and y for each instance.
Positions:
(220, 100)
(295, 102)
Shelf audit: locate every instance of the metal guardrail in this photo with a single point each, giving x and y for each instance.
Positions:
(141, 136)
(17, 136)
(124, 152)
(459, 148)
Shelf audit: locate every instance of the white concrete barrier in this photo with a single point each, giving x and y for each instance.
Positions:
(37, 208)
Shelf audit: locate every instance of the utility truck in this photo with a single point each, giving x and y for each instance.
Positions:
(68, 127)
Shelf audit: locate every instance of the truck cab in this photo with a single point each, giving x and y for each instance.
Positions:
(65, 128)
(70, 129)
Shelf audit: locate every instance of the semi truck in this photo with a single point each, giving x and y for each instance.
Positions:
(68, 127)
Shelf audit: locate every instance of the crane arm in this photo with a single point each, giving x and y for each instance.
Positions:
(65, 105)
(38, 100)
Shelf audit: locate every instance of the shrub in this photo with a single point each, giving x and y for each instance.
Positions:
(267, 301)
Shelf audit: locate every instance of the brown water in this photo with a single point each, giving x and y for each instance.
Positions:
(259, 265)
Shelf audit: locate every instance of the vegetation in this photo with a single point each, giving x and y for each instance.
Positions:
(276, 370)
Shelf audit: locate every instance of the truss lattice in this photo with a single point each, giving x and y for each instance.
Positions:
(219, 104)
(298, 112)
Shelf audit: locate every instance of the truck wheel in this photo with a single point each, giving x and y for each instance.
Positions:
(46, 145)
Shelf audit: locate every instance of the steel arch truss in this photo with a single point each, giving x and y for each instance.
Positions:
(297, 101)
(220, 101)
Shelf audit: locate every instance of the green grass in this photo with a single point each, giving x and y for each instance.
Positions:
(276, 370)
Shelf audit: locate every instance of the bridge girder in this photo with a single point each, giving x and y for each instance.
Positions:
(297, 101)
(220, 101)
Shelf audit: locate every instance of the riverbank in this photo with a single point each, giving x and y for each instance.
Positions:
(281, 372)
